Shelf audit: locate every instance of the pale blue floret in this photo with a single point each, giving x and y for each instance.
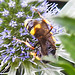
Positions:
(12, 3)
(13, 23)
(24, 4)
(1, 21)
(5, 13)
(20, 14)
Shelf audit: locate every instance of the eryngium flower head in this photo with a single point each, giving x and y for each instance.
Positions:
(12, 19)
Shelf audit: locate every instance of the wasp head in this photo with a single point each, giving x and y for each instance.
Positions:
(28, 23)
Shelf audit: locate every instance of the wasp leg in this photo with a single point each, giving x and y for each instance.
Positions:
(35, 55)
(25, 42)
(44, 19)
(31, 53)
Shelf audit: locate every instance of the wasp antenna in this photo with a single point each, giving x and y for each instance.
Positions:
(44, 19)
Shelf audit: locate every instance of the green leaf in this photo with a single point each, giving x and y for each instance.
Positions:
(68, 68)
(68, 22)
(69, 44)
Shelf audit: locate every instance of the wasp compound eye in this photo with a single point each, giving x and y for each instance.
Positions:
(26, 22)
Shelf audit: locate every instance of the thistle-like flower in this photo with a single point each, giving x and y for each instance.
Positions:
(15, 54)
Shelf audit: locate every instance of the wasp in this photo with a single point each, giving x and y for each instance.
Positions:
(41, 31)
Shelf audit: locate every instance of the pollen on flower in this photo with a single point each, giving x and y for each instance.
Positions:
(11, 4)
